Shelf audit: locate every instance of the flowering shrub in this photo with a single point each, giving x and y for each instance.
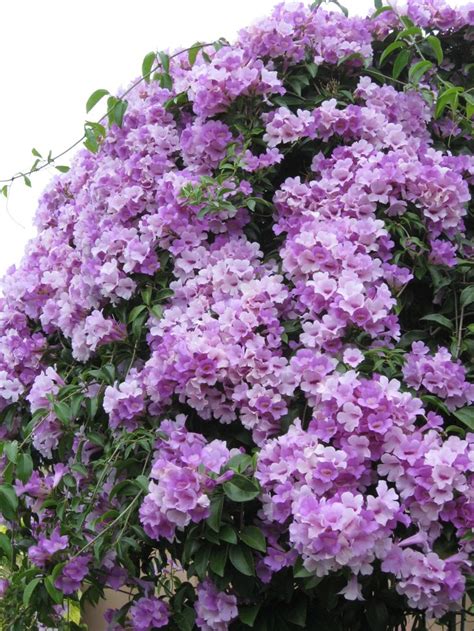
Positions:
(236, 361)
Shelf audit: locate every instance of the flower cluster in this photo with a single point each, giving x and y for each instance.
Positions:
(181, 479)
(214, 609)
(220, 359)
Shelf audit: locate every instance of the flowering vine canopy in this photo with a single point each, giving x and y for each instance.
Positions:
(236, 361)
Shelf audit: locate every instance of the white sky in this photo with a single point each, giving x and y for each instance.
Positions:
(55, 53)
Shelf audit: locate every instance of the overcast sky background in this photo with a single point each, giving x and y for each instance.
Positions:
(54, 54)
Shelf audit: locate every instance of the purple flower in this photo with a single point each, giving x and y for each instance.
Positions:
(214, 610)
(4, 585)
(46, 547)
(73, 573)
(149, 613)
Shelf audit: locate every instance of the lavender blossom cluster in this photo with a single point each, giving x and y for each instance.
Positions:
(363, 476)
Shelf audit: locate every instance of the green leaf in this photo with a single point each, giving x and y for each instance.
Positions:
(253, 537)
(24, 467)
(436, 47)
(166, 81)
(147, 65)
(143, 482)
(193, 53)
(29, 589)
(201, 560)
(54, 593)
(62, 168)
(92, 405)
(241, 489)
(448, 97)
(389, 50)
(401, 61)
(380, 10)
(341, 7)
(5, 190)
(467, 296)
(249, 613)
(214, 519)
(119, 111)
(164, 294)
(6, 546)
(11, 451)
(240, 463)
(165, 61)
(218, 560)
(242, 559)
(8, 502)
(418, 70)
(135, 312)
(227, 533)
(410, 31)
(185, 619)
(299, 570)
(27, 180)
(377, 615)
(62, 411)
(439, 319)
(95, 97)
(297, 611)
(36, 153)
(466, 416)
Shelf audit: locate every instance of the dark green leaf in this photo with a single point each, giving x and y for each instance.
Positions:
(214, 519)
(62, 411)
(466, 416)
(135, 312)
(439, 319)
(448, 97)
(24, 467)
(165, 61)
(297, 611)
(94, 98)
(193, 52)
(241, 489)
(401, 61)
(147, 65)
(29, 589)
(240, 463)
(62, 168)
(36, 153)
(436, 47)
(227, 533)
(389, 50)
(418, 70)
(119, 112)
(242, 559)
(201, 560)
(11, 451)
(8, 502)
(410, 31)
(467, 296)
(164, 294)
(218, 560)
(299, 570)
(248, 614)
(377, 615)
(6, 546)
(380, 10)
(253, 537)
(54, 593)
(185, 619)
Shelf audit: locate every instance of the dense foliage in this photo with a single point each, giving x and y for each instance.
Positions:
(236, 361)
